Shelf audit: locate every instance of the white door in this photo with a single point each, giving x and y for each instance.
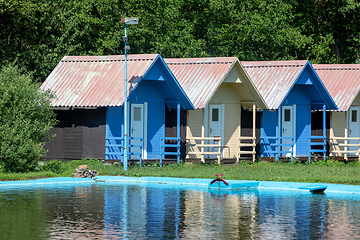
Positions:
(136, 128)
(215, 123)
(287, 128)
(354, 128)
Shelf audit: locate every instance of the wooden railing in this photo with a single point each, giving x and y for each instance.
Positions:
(247, 142)
(341, 145)
(204, 146)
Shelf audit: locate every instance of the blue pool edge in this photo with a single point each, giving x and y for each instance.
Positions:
(198, 182)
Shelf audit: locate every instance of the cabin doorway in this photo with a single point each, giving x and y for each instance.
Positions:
(136, 129)
(287, 128)
(215, 123)
(354, 128)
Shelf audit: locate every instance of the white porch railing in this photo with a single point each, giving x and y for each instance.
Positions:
(246, 142)
(340, 146)
(204, 146)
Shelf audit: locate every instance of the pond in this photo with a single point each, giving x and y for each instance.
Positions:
(158, 211)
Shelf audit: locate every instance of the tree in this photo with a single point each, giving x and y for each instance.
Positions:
(25, 120)
(332, 26)
(38, 33)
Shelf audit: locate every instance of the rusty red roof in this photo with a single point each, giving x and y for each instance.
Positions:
(201, 77)
(342, 81)
(274, 79)
(95, 81)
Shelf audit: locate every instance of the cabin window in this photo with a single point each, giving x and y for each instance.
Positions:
(137, 113)
(353, 116)
(215, 115)
(287, 115)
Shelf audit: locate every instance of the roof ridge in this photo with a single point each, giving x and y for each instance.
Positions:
(110, 58)
(106, 60)
(190, 63)
(337, 68)
(278, 65)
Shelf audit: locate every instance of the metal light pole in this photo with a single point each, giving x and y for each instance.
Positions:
(126, 20)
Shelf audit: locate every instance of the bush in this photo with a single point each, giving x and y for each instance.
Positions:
(330, 162)
(55, 166)
(25, 120)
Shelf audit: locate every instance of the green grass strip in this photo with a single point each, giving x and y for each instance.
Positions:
(327, 171)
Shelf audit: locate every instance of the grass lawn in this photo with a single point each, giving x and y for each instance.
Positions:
(328, 171)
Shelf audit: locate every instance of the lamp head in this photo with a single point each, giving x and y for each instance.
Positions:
(130, 20)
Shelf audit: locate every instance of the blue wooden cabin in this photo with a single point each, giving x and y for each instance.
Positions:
(91, 83)
(293, 91)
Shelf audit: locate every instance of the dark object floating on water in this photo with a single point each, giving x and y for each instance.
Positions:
(218, 179)
(314, 189)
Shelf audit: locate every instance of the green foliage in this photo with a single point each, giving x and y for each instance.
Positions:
(6, 176)
(37, 34)
(327, 171)
(244, 162)
(333, 29)
(25, 121)
(55, 166)
(327, 162)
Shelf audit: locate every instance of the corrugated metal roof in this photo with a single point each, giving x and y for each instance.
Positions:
(274, 79)
(342, 81)
(95, 81)
(200, 77)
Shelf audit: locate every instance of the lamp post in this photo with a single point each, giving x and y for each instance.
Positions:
(126, 20)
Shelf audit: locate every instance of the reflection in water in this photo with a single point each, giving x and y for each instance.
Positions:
(76, 212)
(22, 212)
(113, 211)
(223, 216)
(293, 215)
(342, 218)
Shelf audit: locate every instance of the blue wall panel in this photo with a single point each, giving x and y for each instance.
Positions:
(147, 91)
(156, 129)
(114, 122)
(297, 95)
(303, 129)
(269, 121)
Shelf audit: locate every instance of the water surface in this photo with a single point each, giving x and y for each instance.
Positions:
(150, 211)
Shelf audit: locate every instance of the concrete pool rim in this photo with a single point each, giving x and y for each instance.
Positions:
(198, 182)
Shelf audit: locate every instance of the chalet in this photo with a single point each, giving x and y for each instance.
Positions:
(343, 84)
(89, 105)
(291, 90)
(221, 92)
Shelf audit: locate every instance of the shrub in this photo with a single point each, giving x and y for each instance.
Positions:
(330, 162)
(55, 166)
(25, 120)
